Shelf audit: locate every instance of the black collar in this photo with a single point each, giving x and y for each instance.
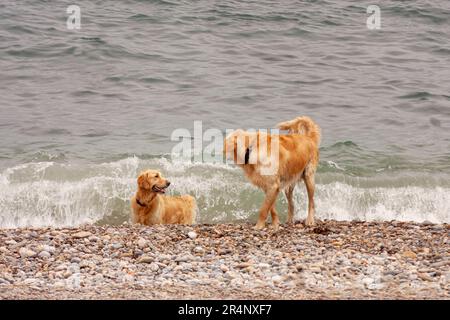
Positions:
(247, 155)
(140, 203)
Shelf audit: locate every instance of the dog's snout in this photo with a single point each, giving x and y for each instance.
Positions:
(167, 183)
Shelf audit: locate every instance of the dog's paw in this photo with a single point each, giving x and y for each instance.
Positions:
(259, 226)
(275, 226)
(309, 222)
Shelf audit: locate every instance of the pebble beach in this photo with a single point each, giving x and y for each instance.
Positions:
(333, 260)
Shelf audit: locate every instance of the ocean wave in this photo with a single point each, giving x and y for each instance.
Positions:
(68, 194)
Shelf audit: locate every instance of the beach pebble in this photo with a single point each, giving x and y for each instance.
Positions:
(26, 253)
(81, 234)
(154, 267)
(243, 265)
(116, 245)
(424, 276)
(142, 243)
(409, 254)
(224, 268)
(440, 264)
(75, 260)
(315, 269)
(67, 273)
(128, 278)
(375, 286)
(236, 282)
(29, 281)
(49, 249)
(192, 234)
(44, 255)
(184, 258)
(277, 279)
(198, 249)
(299, 267)
(59, 284)
(145, 259)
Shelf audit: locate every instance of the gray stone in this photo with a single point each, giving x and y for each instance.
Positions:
(29, 281)
(26, 253)
(142, 243)
(277, 279)
(154, 267)
(198, 249)
(192, 234)
(183, 258)
(44, 255)
(116, 245)
(375, 286)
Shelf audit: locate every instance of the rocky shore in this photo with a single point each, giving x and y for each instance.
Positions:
(343, 260)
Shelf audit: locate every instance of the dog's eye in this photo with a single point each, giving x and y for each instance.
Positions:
(157, 176)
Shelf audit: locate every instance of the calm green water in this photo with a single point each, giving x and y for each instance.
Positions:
(83, 111)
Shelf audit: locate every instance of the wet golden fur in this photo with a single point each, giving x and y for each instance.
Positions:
(156, 208)
(297, 156)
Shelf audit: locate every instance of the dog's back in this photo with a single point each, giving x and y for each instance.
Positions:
(302, 143)
(179, 209)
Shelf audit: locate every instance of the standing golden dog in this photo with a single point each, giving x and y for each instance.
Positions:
(277, 162)
(150, 206)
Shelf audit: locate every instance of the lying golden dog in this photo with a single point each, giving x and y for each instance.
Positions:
(277, 162)
(149, 205)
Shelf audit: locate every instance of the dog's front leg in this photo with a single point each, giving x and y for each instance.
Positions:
(269, 201)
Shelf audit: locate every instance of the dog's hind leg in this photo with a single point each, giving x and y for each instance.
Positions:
(309, 182)
(269, 201)
(289, 191)
(275, 219)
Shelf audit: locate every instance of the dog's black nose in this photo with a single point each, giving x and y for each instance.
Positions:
(168, 183)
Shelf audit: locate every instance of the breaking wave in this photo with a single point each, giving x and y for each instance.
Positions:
(67, 194)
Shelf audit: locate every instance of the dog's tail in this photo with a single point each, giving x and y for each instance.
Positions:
(302, 125)
(193, 209)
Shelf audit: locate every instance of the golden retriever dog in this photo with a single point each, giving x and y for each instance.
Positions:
(276, 163)
(150, 206)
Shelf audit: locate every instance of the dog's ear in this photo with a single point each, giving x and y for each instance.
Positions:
(143, 181)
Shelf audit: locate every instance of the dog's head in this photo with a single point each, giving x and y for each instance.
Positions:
(152, 180)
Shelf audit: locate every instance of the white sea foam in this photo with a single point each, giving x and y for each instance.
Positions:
(55, 194)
